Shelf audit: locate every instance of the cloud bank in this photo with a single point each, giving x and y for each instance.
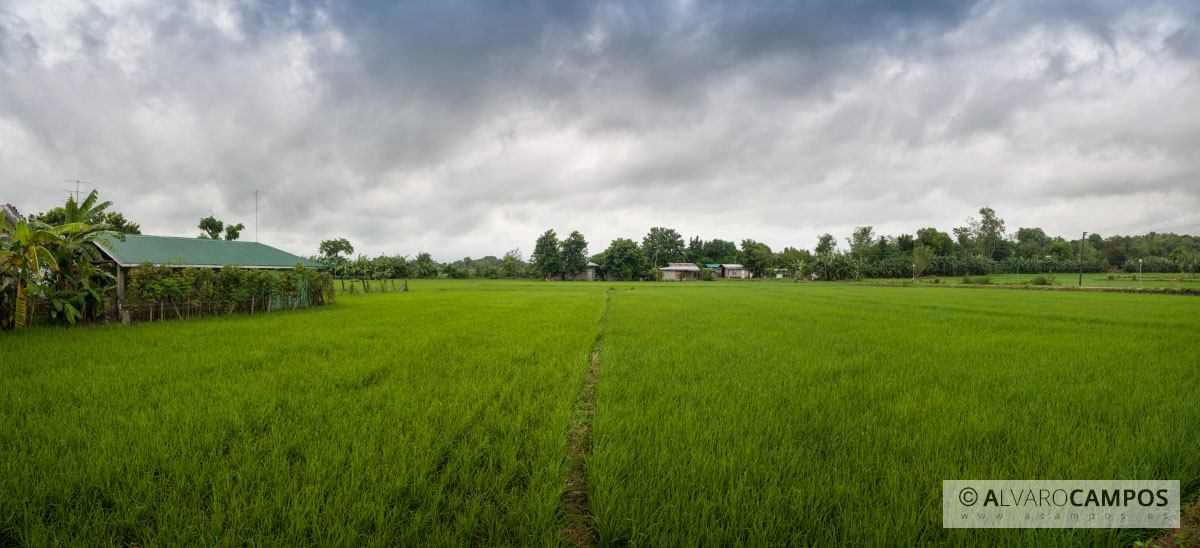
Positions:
(466, 128)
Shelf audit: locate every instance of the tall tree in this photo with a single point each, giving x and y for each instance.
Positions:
(1031, 242)
(826, 243)
(116, 221)
(232, 232)
(210, 228)
(987, 232)
(546, 259)
(424, 266)
(757, 257)
(333, 249)
(574, 254)
(511, 264)
(934, 239)
(721, 251)
(666, 243)
(623, 259)
(861, 240)
(695, 250)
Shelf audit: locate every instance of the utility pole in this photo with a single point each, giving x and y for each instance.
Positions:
(256, 216)
(76, 191)
(1082, 241)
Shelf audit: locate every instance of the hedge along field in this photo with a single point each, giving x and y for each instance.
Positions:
(434, 417)
(828, 414)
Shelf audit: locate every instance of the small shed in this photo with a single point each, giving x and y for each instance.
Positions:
(180, 252)
(680, 272)
(734, 271)
(588, 275)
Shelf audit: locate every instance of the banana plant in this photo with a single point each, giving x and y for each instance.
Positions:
(26, 253)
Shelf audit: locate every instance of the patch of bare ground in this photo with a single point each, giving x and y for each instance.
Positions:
(579, 526)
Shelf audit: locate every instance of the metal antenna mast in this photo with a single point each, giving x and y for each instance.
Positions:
(256, 216)
(76, 191)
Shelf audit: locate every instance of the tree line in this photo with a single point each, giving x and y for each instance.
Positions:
(980, 246)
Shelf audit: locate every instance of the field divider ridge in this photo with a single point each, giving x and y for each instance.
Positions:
(579, 524)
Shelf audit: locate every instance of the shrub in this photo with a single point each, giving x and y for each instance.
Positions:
(977, 280)
(1046, 279)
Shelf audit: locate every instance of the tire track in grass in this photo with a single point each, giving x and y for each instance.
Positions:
(579, 526)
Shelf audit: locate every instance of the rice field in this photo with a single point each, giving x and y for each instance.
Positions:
(725, 414)
(1127, 281)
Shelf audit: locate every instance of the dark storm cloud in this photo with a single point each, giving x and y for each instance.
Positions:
(469, 127)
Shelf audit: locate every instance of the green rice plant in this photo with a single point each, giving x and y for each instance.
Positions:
(826, 415)
(425, 418)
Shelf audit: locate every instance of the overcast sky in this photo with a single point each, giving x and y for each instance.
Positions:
(467, 128)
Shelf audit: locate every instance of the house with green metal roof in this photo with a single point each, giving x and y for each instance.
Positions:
(194, 252)
(199, 253)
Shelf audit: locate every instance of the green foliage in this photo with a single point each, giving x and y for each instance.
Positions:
(424, 267)
(232, 232)
(511, 265)
(26, 253)
(335, 248)
(210, 228)
(756, 257)
(826, 244)
(546, 259)
(623, 260)
(977, 280)
(663, 245)
(574, 254)
(118, 223)
(154, 291)
(706, 274)
(1042, 279)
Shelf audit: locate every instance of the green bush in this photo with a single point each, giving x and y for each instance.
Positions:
(977, 280)
(1046, 279)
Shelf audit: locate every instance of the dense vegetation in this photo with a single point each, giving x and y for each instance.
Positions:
(979, 247)
(797, 414)
(154, 291)
(46, 269)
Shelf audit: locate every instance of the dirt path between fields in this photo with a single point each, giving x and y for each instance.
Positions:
(580, 528)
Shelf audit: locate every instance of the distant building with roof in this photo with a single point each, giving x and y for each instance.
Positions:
(680, 272)
(179, 252)
(734, 271)
(588, 275)
(10, 213)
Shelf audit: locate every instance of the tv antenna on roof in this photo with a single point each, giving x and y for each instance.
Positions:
(76, 191)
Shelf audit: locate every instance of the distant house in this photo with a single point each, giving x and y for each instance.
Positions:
(680, 272)
(194, 252)
(716, 269)
(734, 271)
(588, 275)
(10, 212)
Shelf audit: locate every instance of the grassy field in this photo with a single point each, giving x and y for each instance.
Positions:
(1147, 281)
(433, 418)
(726, 413)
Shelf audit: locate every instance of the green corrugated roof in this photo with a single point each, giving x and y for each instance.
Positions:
(171, 250)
